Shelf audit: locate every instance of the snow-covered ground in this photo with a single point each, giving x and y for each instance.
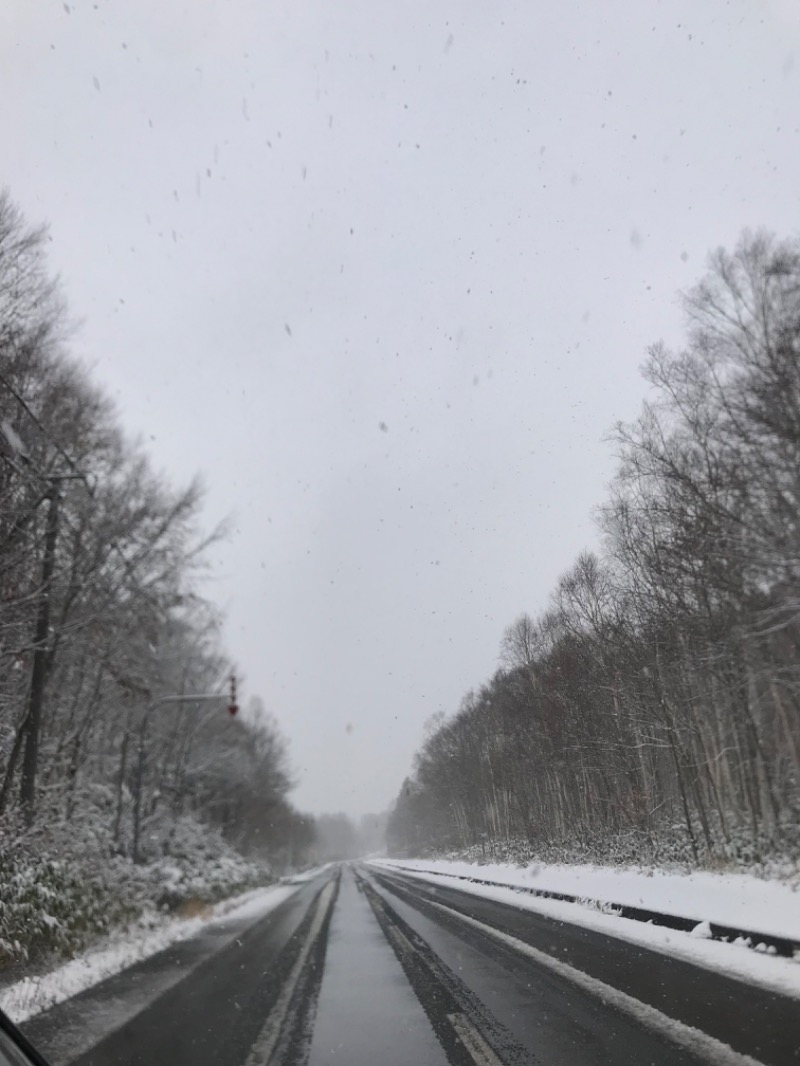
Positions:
(737, 900)
(726, 899)
(306, 875)
(144, 938)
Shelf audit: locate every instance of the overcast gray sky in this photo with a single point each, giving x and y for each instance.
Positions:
(385, 273)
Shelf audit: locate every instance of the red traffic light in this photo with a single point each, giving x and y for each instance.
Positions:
(233, 708)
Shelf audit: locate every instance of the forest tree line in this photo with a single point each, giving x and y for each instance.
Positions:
(653, 708)
(101, 619)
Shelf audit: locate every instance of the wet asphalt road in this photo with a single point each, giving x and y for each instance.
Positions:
(367, 1011)
(367, 967)
(755, 1022)
(199, 1002)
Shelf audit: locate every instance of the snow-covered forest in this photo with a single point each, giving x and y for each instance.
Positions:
(109, 799)
(652, 711)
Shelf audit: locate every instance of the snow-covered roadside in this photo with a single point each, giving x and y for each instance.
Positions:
(737, 900)
(724, 899)
(306, 875)
(144, 938)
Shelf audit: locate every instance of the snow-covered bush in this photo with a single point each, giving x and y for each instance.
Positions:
(64, 886)
(49, 905)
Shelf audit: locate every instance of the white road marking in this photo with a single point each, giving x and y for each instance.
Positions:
(685, 1036)
(267, 1039)
(481, 1053)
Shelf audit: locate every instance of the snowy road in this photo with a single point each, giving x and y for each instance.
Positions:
(367, 1011)
(375, 966)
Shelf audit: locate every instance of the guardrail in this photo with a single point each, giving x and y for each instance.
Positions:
(783, 946)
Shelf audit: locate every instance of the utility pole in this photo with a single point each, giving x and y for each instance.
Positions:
(138, 797)
(33, 718)
(31, 726)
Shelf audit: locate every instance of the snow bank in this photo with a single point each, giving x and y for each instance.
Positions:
(738, 900)
(306, 875)
(144, 938)
(714, 898)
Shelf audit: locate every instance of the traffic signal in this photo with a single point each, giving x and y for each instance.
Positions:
(233, 706)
